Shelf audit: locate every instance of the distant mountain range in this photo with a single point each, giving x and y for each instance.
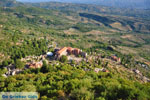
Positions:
(9, 3)
(143, 4)
(141, 13)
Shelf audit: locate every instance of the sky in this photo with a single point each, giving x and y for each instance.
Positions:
(116, 3)
(131, 1)
(33, 0)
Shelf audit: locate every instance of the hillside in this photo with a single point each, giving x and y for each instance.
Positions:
(141, 13)
(9, 3)
(116, 50)
(130, 24)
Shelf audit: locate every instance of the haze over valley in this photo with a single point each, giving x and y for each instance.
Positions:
(143, 4)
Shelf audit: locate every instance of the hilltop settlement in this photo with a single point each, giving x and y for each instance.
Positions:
(69, 55)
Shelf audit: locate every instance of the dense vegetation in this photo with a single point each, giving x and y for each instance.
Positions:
(66, 82)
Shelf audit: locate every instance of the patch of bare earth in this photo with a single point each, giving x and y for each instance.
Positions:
(18, 43)
(112, 31)
(70, 31)
(146, 47)
(119, 26)
(126, 50)
(126, 36)
(133, 38)
(96, 32)
(2, 56)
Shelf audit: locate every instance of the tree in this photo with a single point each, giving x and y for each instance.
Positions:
(106, 64)
(44, 68)
(19, 64)
(73, 62)
(82, 94)
(2, 71)
(99, 62)
(4, 63)
(63, 59)
(27, 87)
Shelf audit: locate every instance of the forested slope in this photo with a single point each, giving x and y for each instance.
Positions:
(27, 31)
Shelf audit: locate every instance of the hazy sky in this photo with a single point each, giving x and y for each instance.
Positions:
(93, 1)
(33, 0)
(117, 3)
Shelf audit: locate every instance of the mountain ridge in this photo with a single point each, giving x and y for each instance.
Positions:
(142, 4)
(9, 3)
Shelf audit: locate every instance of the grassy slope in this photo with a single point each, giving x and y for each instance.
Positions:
(35, 22)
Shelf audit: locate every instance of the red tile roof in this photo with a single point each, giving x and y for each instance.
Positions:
(69, 50)
(62, 50)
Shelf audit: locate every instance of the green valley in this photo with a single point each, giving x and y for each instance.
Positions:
(108, 51)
